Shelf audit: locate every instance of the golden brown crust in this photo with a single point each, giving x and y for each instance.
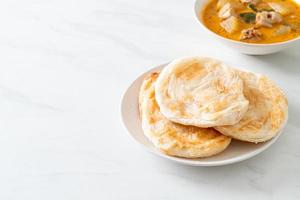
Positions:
(172, 138)
(202, 92)
(267, 112)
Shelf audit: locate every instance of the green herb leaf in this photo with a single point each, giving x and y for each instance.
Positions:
(266, 9)
(252, 7)
(248, 17)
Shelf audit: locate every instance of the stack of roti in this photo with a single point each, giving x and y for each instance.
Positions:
(195, 106)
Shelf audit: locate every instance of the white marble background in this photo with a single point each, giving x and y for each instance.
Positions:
(64, 65)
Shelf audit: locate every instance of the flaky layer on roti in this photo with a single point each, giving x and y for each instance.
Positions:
(267, 112)
(202, 92)
(172, 138)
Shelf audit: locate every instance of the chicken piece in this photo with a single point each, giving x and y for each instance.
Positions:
(221, 3)
(231, 24)
(250, 34)
(266, 18)
(254, 2)
(282, 30)
(283, 9)
(226, 11)
(235, 3)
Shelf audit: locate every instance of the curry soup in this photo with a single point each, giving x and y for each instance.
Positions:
(253, 21)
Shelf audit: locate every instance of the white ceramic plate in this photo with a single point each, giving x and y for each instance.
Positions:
(236, 152)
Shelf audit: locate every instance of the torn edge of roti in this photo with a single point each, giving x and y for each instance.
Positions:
(200, 91)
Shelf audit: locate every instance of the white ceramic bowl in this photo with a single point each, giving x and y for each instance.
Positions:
(242, 47)
(236, 152)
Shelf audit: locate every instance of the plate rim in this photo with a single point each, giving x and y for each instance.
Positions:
(186, 161)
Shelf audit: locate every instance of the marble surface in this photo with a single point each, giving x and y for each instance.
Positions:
(63, 68)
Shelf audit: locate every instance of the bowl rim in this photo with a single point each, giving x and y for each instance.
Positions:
(198, 12)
